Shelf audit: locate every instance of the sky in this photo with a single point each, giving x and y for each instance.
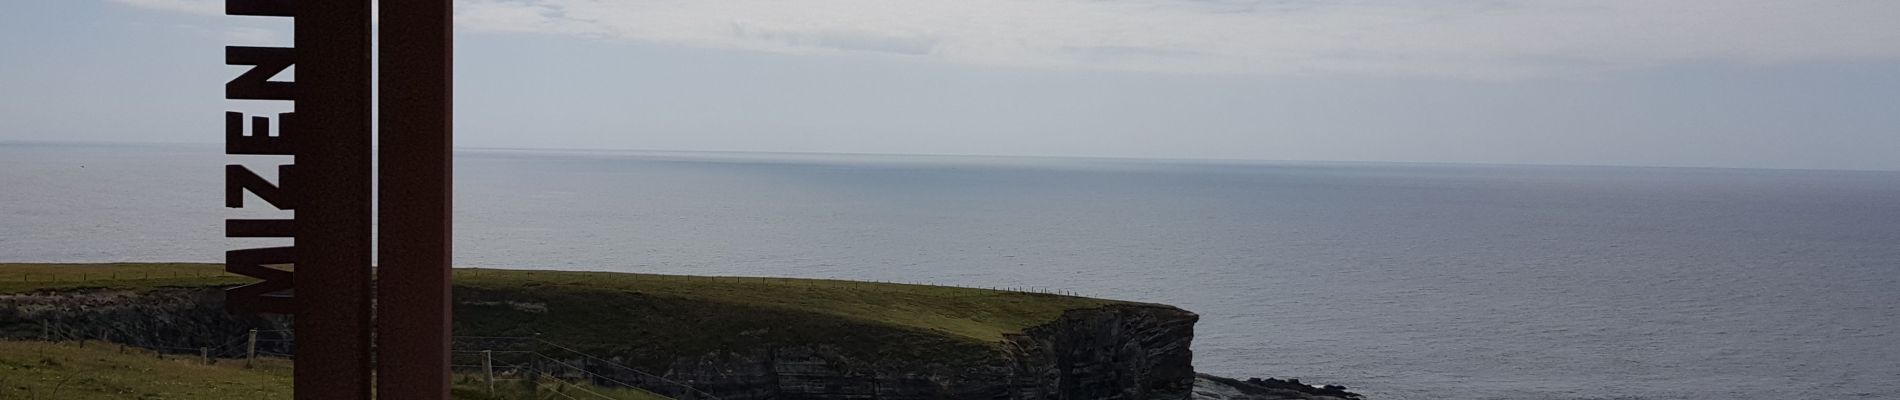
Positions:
(1702, 83)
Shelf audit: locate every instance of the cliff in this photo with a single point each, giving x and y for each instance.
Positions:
(735, 338)
(174, 319)
(1114, 352)
(844, 340)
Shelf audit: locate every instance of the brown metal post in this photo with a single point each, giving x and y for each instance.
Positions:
(331, 134)
(413, 313)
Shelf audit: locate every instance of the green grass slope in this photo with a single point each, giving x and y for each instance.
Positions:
(653, 319)
(23, 277)
(976, 314)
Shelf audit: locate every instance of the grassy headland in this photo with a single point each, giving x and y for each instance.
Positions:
(975, 314)
(652, 319)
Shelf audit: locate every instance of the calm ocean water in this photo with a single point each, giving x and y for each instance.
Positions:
(1401, 281)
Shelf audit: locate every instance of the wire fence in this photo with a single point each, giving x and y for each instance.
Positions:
(81, 277)
(231, 348)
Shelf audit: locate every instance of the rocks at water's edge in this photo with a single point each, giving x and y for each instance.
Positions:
(1209, 387)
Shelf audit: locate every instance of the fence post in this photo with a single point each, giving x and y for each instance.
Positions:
(250, 349)
(534, 375)
(488, 369)
(205, 353)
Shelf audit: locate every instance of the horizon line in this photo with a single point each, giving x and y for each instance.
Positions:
(1209, 160)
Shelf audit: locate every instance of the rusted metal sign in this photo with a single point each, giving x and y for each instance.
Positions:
(323, 182)
(414, 200)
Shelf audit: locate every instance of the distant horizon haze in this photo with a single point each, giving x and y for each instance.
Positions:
(1025, 156)
(1692, 83)
(1403, 282)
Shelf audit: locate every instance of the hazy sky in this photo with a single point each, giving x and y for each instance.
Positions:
(1740, 83)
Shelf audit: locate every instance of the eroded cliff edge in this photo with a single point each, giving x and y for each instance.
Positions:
(1113, 352)
(734, 338)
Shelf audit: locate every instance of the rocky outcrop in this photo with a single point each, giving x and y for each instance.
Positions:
(179, 320)
(1209, 387)
(1119, 352)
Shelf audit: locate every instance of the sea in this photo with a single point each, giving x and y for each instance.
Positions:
(1399, 281)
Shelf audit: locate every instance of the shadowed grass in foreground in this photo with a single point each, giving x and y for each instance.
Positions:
(40, 370)
(469, 387)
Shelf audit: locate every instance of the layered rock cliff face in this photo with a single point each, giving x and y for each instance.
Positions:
(170, 319)
(1120, 352)
(1125, 352)
(1114, 352)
